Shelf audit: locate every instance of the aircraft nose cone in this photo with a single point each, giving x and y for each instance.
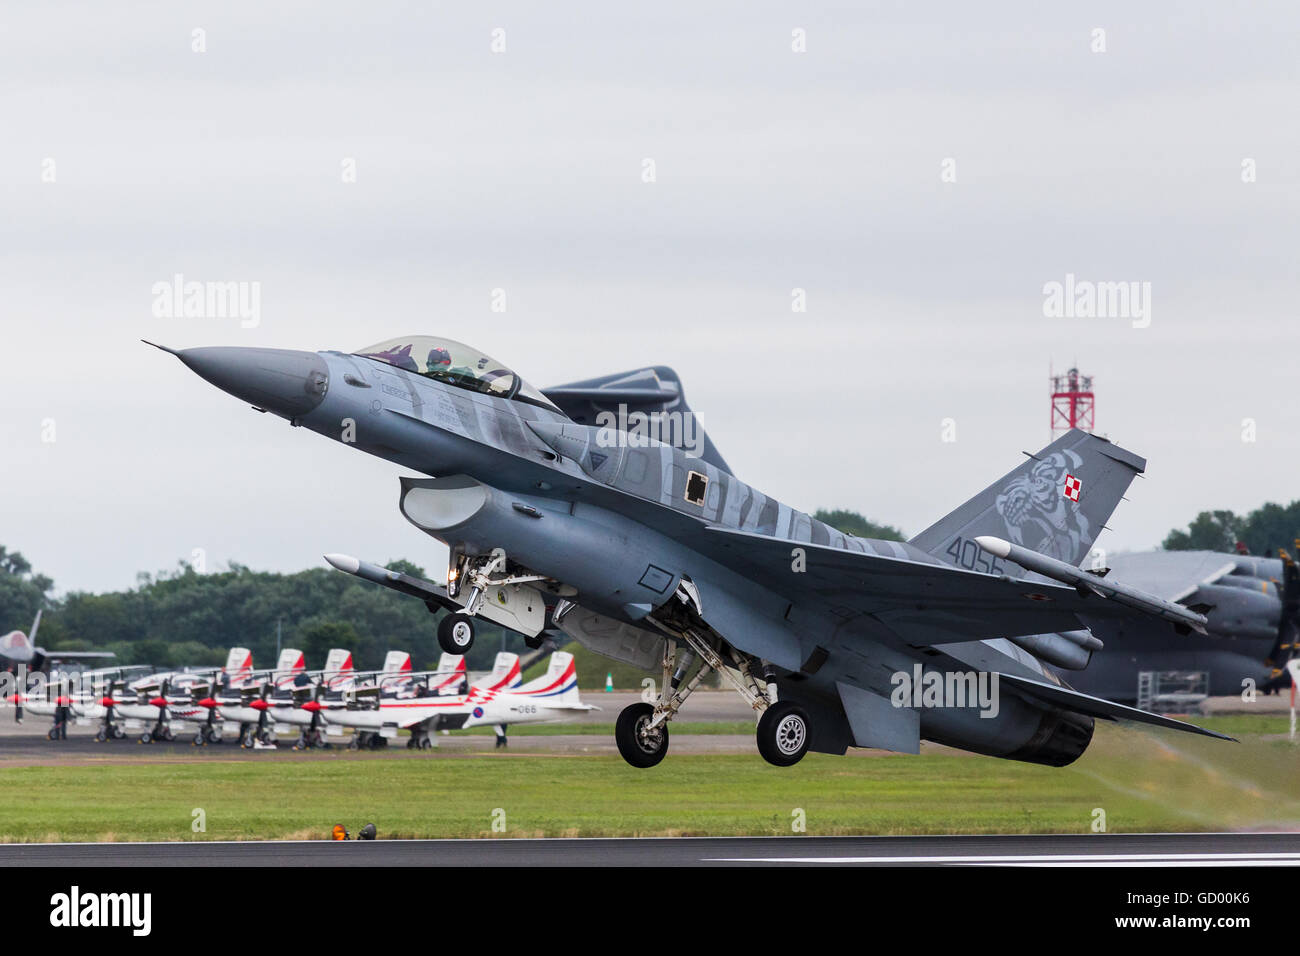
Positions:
(284, 381)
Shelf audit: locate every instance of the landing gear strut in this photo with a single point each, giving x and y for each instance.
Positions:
(641, 732)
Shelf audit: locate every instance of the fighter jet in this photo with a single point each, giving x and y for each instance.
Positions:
(19, 648)
(20, 657)
(650, 553)
(1252, 607)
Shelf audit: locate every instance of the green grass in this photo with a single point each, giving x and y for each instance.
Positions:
(1143, 782)
(607, 730)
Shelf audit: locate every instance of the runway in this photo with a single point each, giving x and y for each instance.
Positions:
(1182, 849)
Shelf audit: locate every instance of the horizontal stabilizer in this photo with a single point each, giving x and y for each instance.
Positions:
(1096, 707)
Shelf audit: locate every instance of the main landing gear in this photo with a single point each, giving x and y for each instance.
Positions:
(641, 731)
(309, 738)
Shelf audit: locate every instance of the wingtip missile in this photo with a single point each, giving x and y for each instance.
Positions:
(344, 562)
(994, 546)
(1179, 615)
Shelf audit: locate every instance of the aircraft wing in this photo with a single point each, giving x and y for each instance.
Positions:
(924, 603)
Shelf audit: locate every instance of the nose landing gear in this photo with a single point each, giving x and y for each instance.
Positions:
(456, 633)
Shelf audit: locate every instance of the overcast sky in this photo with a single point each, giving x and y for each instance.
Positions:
(522, 170)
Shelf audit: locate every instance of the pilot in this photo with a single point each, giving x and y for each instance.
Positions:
(439, 360)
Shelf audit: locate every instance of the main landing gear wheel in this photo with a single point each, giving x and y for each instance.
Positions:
(247, 741)
(456, 633)
(199, 740)
(101, 736)
(640, 747)
(146, 738)
(783, 734)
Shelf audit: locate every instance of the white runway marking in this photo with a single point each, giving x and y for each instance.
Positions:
(1052, 859)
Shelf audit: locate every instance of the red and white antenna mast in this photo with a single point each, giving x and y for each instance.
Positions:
(1073, 402)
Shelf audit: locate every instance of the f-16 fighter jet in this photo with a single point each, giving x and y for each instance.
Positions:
(19, 648)
(649, 554)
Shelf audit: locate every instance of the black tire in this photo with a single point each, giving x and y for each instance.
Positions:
(637, 749)
(198, 740)
(456, 633)
(101, 736)
(146, 738)
(783, 732)
(52, 734)
(247, 741)
(353, 744)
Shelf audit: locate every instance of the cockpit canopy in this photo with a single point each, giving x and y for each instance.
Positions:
(455, 364)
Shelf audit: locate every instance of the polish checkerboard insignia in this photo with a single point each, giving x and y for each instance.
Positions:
(1071, 487)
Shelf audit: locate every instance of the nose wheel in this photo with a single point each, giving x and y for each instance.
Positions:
(456, 633)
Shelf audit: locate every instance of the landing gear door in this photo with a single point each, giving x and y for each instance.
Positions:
(518, 607)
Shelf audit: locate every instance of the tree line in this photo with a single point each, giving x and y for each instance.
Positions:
(184, 618)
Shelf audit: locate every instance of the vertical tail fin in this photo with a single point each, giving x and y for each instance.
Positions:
(451, 679)
(505, 673)
(560, 682)
(338, 661)
(239, 665)
(292, 662)
(1055, 503)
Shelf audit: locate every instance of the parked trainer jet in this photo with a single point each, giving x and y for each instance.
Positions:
(501, 698)
(657, 557)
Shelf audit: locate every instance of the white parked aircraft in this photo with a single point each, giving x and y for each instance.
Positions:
(496, 701)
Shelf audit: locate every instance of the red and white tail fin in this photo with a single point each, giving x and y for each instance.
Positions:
(239, 665)
(292, 662)
(395, 662)
(338, 668)
(451, 675)
(505, 673)
(338, 661)
(559, 685)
